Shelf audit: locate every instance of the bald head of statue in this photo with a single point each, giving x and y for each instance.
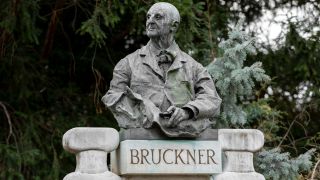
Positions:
(162, 20)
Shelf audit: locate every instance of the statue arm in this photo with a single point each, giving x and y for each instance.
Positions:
(120, 80)
(207, 101)
(123, 106)
(129, 108)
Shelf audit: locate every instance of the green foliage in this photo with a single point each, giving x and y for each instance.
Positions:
(261, 116)
(189, 27)
(232, 79)
(105, 12)
(36, 116)
(276, 165)
(19, 20)
(236, 86)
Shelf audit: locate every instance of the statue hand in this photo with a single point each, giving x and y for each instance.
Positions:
(151, 113)
(177, 116)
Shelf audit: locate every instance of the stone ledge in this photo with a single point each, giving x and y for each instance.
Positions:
(250, 140)
(82, 139)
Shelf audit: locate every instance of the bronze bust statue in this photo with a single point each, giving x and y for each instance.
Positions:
(160, 86)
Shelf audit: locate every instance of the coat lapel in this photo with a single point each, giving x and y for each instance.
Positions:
(177, 63)
(150, 61)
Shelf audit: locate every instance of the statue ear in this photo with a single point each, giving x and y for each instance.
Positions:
(174, 26)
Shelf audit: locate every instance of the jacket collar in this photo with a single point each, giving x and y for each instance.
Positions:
(172, 50)
(149, 53)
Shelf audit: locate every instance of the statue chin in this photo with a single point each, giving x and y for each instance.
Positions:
(152, 34)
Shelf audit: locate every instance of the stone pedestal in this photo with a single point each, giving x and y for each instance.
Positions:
(238, 146)
(167, 159)
(91, 146)
(227, 155)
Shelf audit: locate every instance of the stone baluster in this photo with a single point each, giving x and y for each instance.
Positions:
(238, 146)
(91, 146)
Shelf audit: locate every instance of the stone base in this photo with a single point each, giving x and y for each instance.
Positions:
(85, 176)
(167, 158)
(239, 176)
(172, 177)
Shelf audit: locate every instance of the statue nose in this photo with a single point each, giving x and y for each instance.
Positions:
(151, 19)
(150, 23)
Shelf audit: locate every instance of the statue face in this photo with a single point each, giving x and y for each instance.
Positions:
(158, 21)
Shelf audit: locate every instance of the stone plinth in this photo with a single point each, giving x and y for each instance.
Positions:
(238, 146)
(91, 146)
(167, 159)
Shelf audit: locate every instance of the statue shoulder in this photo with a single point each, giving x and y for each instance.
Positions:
(129, 59)
(136, 54)
(190, 60)
(132, 55)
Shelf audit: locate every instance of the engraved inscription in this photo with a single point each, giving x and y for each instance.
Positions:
(172, 156)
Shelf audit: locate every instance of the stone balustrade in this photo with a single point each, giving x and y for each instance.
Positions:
(238, 146)
(91, 146)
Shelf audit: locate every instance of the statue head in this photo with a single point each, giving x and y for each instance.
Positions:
(162, 20)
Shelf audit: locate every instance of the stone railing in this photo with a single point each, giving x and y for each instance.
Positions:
(238, 146)
(91, 146)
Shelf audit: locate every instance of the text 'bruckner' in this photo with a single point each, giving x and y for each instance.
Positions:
(172, 156)
(169, 157)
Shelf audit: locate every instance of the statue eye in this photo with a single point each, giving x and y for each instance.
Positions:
(148, 16)
(158, 16)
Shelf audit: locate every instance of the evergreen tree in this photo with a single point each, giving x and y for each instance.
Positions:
(235, 83)
(275, 165)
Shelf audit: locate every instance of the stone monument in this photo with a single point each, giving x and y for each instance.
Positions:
(165, 103)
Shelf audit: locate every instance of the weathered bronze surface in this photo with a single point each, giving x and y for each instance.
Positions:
(160, 86)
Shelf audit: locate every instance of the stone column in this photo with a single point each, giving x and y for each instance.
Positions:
(238, 146)
(91, 146)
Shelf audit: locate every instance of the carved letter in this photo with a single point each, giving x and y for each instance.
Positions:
(152, 155)
(200, 156)
(178, 156)
(210, 156)
(136, 156)
(192, 156)
(144, 154)
(164, 156)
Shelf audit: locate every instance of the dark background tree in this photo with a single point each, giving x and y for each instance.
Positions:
(57, 58)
